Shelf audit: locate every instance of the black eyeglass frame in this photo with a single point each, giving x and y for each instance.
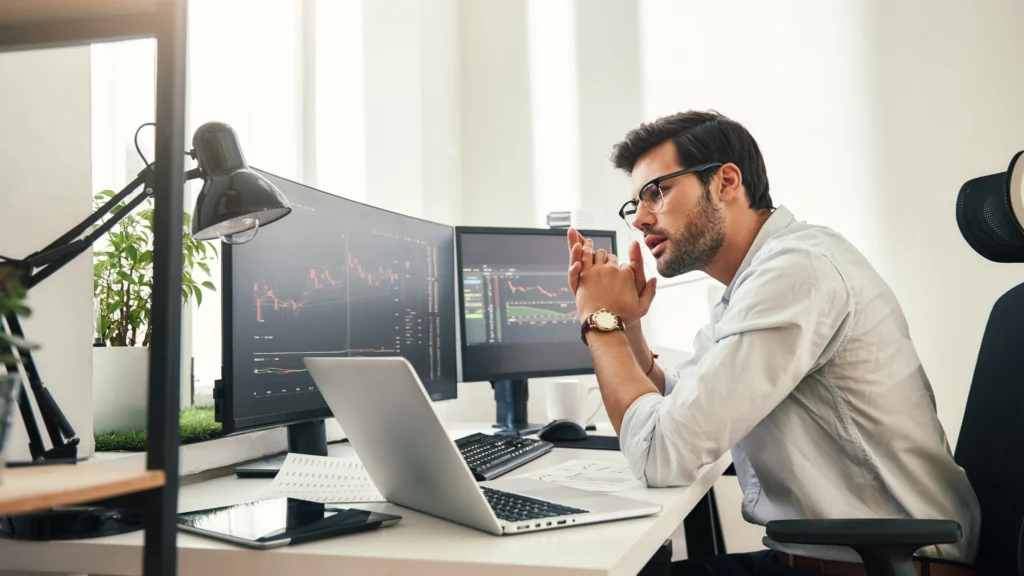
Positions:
(626, 211)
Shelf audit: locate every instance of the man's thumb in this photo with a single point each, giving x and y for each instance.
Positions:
(649, 289)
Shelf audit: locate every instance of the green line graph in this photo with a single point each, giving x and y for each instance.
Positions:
(512, 311)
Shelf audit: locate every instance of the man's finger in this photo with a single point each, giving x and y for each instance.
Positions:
(587, 258)
(574, 276)
(647, 295)
(613, 259)
(575, 254)
(600, 256)
(636, 262)
(574, 238)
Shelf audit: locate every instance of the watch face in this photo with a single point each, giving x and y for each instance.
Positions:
(605, 320)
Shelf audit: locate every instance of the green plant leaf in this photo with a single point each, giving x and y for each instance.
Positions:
(20, 309)
(7, 340)
(204, 267)
(125, 276)
(209, 286)
(199, 297)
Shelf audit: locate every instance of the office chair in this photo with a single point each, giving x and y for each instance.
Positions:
(990, 213)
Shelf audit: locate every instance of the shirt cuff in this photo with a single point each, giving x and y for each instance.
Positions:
(671, 378)
(637, 432)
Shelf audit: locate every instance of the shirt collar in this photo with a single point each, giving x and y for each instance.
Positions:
(780, 219)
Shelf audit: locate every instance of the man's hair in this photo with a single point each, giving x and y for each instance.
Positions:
(701, 137)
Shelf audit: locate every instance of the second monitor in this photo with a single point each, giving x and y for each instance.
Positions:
(519, 318)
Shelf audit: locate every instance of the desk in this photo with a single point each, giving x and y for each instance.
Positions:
(419, 544)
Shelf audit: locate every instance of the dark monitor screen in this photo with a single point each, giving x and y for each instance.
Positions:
(333, 278)
(519, 317)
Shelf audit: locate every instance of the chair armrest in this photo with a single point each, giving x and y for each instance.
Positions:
(866, 531)
(886, 545)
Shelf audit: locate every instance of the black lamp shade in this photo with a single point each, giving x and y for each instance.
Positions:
(235, 201)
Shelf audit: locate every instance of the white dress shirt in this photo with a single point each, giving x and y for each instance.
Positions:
(807, 373)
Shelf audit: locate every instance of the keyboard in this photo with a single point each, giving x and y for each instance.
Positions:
(515, 508)
(491, 456)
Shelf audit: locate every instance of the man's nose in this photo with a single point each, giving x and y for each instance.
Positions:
(643, 217)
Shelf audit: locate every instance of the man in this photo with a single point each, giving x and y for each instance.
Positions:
(806, 372)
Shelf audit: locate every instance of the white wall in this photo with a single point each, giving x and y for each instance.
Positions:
(45, 189)
(948, 93)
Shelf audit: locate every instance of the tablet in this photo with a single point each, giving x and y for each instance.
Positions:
(280, 522)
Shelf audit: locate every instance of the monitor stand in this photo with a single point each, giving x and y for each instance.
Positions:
(303, 438)
(511, 397)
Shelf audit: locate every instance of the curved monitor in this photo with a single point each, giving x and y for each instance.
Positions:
(518, 316)
(334, 278)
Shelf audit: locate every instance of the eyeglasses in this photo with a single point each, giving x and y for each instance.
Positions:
(653, 197)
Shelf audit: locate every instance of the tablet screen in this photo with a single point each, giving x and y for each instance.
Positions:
(278, 519)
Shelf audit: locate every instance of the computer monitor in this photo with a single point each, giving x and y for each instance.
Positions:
(519, 318)
(335, 278)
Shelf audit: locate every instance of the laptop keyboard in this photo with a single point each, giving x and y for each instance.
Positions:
(516, 508)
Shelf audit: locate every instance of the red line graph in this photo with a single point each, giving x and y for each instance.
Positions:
(319, 281)
(538, 287)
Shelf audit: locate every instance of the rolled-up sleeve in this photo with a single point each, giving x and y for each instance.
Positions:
(787, 316)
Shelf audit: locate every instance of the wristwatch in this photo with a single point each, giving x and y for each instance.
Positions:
(604, 320)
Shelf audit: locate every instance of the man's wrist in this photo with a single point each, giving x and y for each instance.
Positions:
(601, 338)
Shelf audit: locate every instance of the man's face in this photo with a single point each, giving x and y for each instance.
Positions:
(689, 230)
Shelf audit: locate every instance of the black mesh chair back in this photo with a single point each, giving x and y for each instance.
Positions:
(991, 443)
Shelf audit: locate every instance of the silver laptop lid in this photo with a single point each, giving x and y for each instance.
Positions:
(390, 421)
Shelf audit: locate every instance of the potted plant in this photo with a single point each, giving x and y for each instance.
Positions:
(12, 294)
(122, 291)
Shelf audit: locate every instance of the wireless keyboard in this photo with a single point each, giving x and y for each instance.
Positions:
(491, 456)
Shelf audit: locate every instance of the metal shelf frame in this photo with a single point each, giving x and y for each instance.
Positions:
(40, 24)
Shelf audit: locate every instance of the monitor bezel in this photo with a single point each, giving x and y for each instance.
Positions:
(229, 423)
(459, 231)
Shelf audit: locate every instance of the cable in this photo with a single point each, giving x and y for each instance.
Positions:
(139, 150)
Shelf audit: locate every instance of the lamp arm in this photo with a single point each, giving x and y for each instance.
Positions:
(65, 249)
(57, 258)
(146, 174)
(36, 268)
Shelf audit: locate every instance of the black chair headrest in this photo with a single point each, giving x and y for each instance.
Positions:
(990, 213)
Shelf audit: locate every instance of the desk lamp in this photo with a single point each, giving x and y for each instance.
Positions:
(233, 204)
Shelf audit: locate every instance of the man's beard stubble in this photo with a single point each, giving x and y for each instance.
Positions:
(698, 244)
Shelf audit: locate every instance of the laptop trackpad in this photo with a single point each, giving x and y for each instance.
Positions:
(541, 490)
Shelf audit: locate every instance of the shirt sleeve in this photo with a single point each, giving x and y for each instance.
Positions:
(787, 315)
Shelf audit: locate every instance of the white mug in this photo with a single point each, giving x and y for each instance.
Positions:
(567, 400)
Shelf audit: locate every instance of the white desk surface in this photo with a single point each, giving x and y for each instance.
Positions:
(419, 544)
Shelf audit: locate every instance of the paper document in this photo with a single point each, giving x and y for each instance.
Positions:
(323, 479)
(593, 476)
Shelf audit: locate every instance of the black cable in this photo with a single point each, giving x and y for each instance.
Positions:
(139, 150)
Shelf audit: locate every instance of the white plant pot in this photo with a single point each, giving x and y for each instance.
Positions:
(119, 382)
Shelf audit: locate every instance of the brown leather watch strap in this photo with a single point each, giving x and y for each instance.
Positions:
(588, 324)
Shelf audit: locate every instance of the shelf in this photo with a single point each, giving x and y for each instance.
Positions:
(36, 11)
(31, 488)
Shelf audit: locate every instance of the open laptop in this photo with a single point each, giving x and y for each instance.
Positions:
(390, 421)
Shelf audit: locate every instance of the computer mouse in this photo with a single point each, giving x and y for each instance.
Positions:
(562, 430)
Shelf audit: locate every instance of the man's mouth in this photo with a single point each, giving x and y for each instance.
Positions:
(655, 244)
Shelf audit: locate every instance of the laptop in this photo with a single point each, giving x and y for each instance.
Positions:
(391, 423)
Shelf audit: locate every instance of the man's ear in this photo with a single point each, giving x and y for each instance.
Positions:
(732, 184)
